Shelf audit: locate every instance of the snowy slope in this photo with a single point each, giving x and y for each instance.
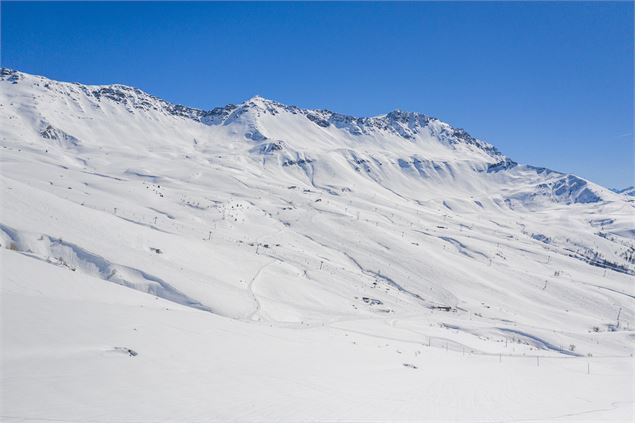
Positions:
(266, 262)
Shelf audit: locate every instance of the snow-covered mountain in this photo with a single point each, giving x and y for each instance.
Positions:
(630, 191)
(379, 268)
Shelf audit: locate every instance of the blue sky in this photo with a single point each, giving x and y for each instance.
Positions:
(549, 84)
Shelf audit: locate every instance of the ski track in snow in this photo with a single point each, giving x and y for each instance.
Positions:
(255, 314)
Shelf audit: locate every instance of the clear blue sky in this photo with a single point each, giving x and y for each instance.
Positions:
(550, 84)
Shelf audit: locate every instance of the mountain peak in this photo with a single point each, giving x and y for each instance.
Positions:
(257, 99)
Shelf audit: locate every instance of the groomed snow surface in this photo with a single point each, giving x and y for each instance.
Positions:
(261, 262)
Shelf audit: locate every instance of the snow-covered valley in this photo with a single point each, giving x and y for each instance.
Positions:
(262, 262)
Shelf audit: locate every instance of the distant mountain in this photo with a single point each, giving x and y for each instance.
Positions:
(625, 191)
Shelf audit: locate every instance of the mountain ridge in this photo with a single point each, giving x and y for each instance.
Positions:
(252, 114)
(138, 98)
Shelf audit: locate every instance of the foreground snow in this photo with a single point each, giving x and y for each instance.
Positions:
(262, 262)
(61, 362)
